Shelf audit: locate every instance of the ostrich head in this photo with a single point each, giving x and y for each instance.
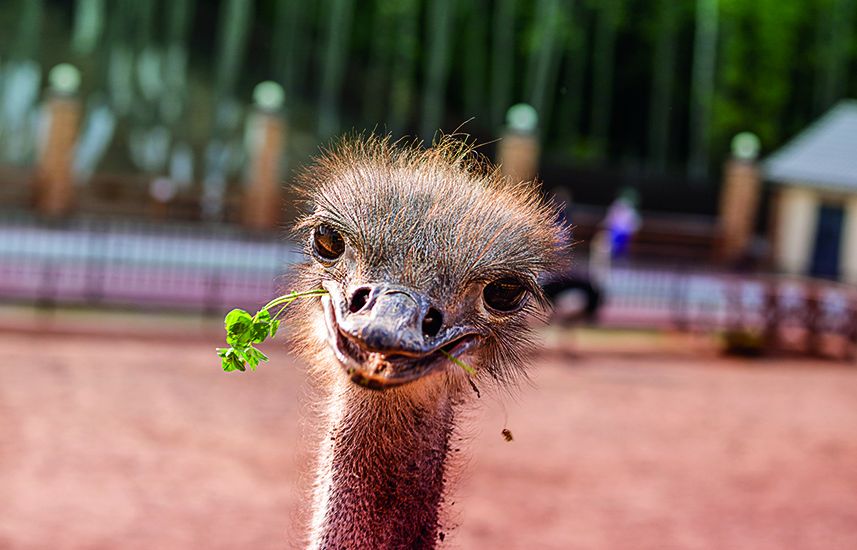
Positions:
(425, 254)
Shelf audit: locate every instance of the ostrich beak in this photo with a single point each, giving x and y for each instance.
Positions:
(387, 335)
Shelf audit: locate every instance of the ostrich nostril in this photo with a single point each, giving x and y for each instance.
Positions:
(432, 322)
(358, 299)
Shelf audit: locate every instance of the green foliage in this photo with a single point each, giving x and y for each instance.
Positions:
(754, 86)
(244, 330)
(611, 78)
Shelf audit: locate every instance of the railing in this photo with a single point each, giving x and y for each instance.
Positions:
(777, 312)
(109, 261)
(115, 262)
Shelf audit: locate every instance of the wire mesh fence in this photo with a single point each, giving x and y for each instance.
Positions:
(116, 262)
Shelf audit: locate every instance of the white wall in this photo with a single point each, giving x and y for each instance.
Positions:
(797, 220)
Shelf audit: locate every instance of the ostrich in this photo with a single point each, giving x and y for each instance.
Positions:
(425, 254)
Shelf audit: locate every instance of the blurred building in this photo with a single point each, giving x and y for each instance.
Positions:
(815, 201)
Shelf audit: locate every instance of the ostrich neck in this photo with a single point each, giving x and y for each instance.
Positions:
(380, 476)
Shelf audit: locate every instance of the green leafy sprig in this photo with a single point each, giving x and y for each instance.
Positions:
(244, 330)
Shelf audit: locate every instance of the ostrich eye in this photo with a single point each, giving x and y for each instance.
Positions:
(504, 295)
(327, 243)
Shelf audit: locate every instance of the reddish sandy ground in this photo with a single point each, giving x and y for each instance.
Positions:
(147, 445)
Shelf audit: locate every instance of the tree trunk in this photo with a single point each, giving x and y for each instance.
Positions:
(88, 25)
(702, 87)
(333, 66)
(474, 62)
(27, 38)
(663, 75)
(437, 66)
(291, 42)
(234, 26)
(574, 84)
(502, 60)
(836, 32)
(376, 80)
(602, 78)
(544, 62)
(404, 65)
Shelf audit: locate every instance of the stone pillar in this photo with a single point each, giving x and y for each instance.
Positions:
(797, 220)
(53, 185)
(739, 199)
(263, 197)
(848, 252)
(518, 152)
(739, 204)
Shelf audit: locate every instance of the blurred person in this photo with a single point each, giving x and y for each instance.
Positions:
(622, 222)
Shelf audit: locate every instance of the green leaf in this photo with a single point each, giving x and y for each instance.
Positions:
(242, 353)
(261, 326)
(262, 315)
(242, 331)
(238, 365)
(260, 332)
(239, 327)
(236, 318)
(254, 357)
(230, 361)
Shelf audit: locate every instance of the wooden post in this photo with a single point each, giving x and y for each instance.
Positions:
(518, 152)
(813, 314)
(263, 198)
(53, 185)
(772, 316)
(852, 328)
(739, 199)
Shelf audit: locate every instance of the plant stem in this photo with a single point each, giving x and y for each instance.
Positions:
(467, 368)
(291, 297)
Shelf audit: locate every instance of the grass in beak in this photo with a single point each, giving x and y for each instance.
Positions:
(467, 368)
(244, 330)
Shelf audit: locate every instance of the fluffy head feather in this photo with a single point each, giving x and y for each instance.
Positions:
(439, 220)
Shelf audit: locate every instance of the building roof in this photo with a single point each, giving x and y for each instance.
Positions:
(824, 155)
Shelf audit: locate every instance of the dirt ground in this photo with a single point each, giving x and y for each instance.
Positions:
(142, 445)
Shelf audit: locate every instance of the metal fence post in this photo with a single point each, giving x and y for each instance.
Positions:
(772, 315)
